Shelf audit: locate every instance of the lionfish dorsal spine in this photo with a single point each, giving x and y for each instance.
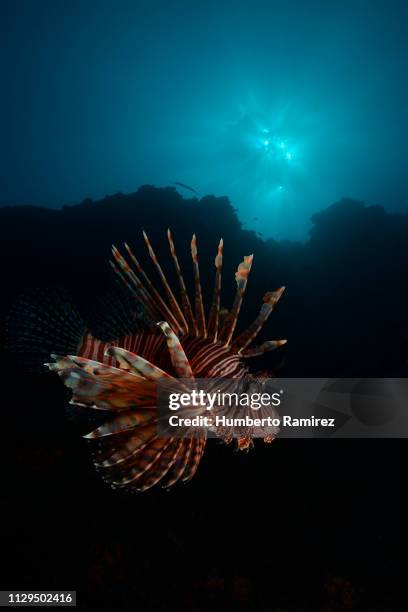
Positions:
(270, 300)
(185, 300)
(131, 279)
(199, 305)
(170, 295)
(256, 351)
(214, 316)
(241, 277)
(155, 296)
(122, 277)
(153, 306)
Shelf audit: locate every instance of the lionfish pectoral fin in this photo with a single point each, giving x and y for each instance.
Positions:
(137, 364)
(123, 422)
(194, 459)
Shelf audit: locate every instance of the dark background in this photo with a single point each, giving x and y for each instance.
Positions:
(109, 95)
(298, 525)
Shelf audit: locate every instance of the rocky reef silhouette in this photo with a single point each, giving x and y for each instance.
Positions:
(344, 311)
(276, 529)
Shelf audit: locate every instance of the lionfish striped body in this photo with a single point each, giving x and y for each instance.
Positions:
(122, 376)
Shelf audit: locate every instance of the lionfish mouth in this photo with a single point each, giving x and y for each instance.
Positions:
(121, 378)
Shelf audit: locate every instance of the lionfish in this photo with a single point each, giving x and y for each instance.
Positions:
(120, 378)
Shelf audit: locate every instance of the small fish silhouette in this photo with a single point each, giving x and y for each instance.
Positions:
(186, 187)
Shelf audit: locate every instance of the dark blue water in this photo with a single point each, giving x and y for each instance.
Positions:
(102, 97)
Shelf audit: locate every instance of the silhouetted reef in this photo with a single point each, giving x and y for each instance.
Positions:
(344, 311)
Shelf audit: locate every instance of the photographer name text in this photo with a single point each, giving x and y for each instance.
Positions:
(247, 421)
